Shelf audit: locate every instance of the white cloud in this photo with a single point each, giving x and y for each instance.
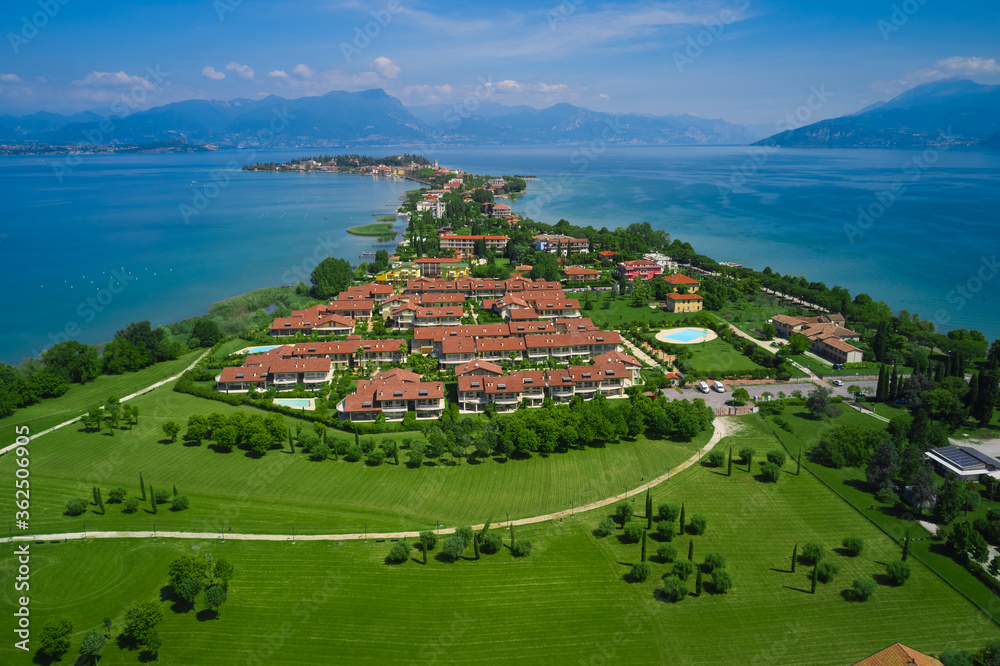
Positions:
(10, 78)
(210, 72)
(960, 65)
(427, 93)
(302, 71)
(386, 68)
(605, 97)
(111, 79)
(242, 71)
(510, 86)
(942, 69)
(278, 74)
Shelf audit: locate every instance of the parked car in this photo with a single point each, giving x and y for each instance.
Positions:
(838, 366)
(837, 382)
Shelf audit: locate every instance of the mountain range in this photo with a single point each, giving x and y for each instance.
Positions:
(952, 111)
(370, 117)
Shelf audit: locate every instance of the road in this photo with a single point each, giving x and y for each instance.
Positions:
(724, 427)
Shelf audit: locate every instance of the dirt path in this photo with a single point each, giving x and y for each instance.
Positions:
(723, 428)
(128, 397)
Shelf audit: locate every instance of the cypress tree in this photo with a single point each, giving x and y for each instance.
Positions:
(938, 373)
(175, 490)
(100, 500)
(291, 444)
(649, 511)
(142, 487)
(880, 387)
(475, 545)
(973, 395)
(644, 545)
(815, 569)
(357, 440)
(691, 550)
(682, 519)
(697, 583)
(93, 491)
(729, 468)
(894, 384)
(512, 537)
(152, 498)
(795, 556)
(906, 546)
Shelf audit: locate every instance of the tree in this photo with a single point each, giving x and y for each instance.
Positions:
(399, 553)
(428, 540)
(205, 333)
(818, 402)
(741, 396)
(330, 277)
(714, 561)
(633, 533)
(770, 472)
(643, 558)
(994, 567)
(188, 590)
(691, 550)
(898, 572)
(951, 498)
(883, 466)
(970, 501)
(666, 552)
(991, 652)
(452, 548)
(665, 531)
(729, 468)
(131, 505)
(697, 583)
(141, 620)
(640, 571)
(224, 571)
(715, 458)
(74, 362)
(187, 566)
(746, 455)
(798, 344)
(826, 570)
(649, 510)
(906, 546)
(923, 492)
(697, 524)
(215, 596)
(956, 657)
(681, 531)
(171, 430)
(722, 581)
(989, 393)
(521, 549)
(76, 506)
(813, 578)
(674, 589)
(853, 545)
(667, 512)
(54, 639)
(777, 457)
(684, 568)
(623, 512)
(863, 588)
(813, 552)
(179, 503)
(606, 527)
(92, 645)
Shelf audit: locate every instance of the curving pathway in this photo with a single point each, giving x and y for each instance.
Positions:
(723, 428)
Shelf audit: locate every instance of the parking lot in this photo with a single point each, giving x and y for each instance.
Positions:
(716, 400)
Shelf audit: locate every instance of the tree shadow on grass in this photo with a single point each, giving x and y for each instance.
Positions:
(843, 552)
(177, 604)
(206, 614)
(44, 659)
(883, 580)
(782, 570)
(849, 595)
(796, 589)
(857, 484)
(500, 460)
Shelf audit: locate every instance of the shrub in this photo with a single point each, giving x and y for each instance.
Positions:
(162, 496)
(624, 512)
(399, 553)
(667, 512)
(640, 571)
(853, 545)
(179, 503)
(466, 534)
(722, 581)
(493, 542)
(898, 572)
(813, 552)
(863, 588)
(746, 453)
(665, 531)
(886, 496)
(131, 505)
(716, 458)
(76, 506)
(667, 552)
(353, 453)
(376, 457)
(430, 537)
(770, 472)
(697, 524)
(683, 569)
(633, 532)
(777, 457)
(452, 548)
(319, 452)
(954, 657)
(116, 495)
(674, 589)
(367, 445)
(714, 561)
(522, 548)
(606, 527)
(826, 570)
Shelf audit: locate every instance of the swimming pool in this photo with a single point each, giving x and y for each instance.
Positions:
(683, 334)
(298, 403)
(261, 350)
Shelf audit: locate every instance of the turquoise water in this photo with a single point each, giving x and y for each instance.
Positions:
(261, 350)
(685, 335)
(292, 402)
(110, 243)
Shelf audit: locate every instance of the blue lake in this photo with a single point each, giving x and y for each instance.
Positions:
(110, 242)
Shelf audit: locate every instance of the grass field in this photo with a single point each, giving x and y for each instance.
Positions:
(373, 229)
(569, 602)
(718, 355)
(849, 483)
(82, 397)
(270, 495)
(622, 311)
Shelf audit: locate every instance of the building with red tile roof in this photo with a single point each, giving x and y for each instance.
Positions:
(899, 655)
(393, 398)
(678, 280)
(641, 268)
(684, 302)
(276, 369)
(581, 274)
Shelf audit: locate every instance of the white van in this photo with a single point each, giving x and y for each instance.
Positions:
(719, 387)
(703, 387)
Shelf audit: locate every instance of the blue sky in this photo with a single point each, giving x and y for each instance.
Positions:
(748, 61)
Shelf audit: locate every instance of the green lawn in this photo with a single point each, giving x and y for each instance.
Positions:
(282, 490)
(373, 229)
(569, 602)
(717, 355)
(620, 311)
(849, 483)
(82, 397)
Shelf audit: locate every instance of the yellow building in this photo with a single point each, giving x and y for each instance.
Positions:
(453, 272)
(684, 302)
(399, 275)
(678, 280)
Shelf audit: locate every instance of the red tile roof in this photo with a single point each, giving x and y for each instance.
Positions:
(679, 279)
(477, 364)
(899, 655)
